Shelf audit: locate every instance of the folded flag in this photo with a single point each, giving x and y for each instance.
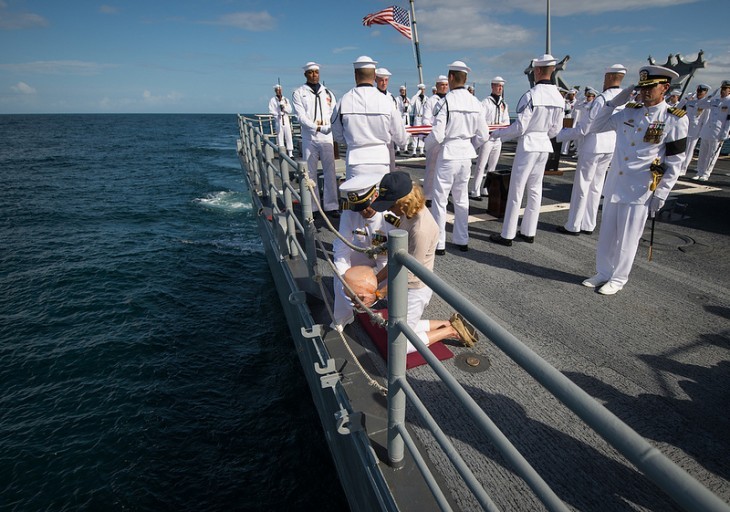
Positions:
(394, 16)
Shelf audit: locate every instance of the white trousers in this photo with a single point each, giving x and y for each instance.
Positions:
(418, 299)
(283, 137)
(691, 145)
(314, 152)
(585, 197)
(429, 177)
(527, 172)
(452, 176)
(709, 151)
(621, 228)
(488, 158)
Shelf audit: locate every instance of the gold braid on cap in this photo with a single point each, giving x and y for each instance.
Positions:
(354, 198)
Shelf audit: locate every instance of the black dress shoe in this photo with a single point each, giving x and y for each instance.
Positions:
(525, 238)
(586, 232)
(463, 248)
(561, 229)
(335, 214)
(475, 198)
(497, 238)
(440, 252)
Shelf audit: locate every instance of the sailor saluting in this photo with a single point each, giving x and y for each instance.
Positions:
(648, 134)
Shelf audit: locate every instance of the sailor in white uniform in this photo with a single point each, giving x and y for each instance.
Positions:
(382, 78)
(313, 105)
(368, 122)
(714, 132)
(540, 114)
(459, 127)
(697, 113)
(432, 148)
(403, 103)
(418, 112)
(596, 151)
(363, 227)
(651, 139)
(280, 108)
(497, 113)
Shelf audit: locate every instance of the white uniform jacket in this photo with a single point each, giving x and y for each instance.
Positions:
(629, 181)
(459, 125)
(363, 233)
(496, 111)
(280, 109)
(312, 110)
(718, 120)
(404, 106)
(418, 107)
(697, 114)
(368, 121)
(539, 118)
(593, 142)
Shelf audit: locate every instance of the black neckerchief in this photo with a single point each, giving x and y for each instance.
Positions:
(314, 87)
(442, 95)
(544, 82)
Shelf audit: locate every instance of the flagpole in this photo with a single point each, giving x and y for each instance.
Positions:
(415, 43)
(547, 30)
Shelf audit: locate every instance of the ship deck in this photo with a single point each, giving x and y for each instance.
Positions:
(657, 354)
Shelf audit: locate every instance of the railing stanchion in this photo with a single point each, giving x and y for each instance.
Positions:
(309, 230)
(397, 344)
(291, 229)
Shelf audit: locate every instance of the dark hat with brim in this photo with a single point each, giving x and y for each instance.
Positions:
(650, 76)
(393, 186)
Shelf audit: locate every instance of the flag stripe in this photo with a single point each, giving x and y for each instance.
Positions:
(394, 16)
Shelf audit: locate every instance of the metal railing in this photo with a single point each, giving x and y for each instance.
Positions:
(269, 169)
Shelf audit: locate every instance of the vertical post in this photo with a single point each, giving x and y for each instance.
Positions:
(268, 160)
(547, 30)
(307, 219)
(397, 344)
(414, 33)
(290, 226)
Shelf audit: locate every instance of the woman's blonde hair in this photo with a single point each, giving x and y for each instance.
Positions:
(412, 203)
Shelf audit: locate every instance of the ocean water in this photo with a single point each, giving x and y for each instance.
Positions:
(143, 360)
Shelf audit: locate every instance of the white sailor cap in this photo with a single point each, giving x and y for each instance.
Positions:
(543, 61)
(277, 86)
(652, 75)
(311, 66)
(675, 92)
(402, 88)
(498, 80)
(572, 91)
(382, 72)
(364, 62)
(459, 65)
(442, 79)
(615, 68)
(360, 190)
(421, 86)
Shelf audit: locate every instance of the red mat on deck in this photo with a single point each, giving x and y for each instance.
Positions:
(379, 335)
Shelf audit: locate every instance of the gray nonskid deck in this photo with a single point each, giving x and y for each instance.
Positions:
(655, 354)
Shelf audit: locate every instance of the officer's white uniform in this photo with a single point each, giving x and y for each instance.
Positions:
(496, 112)
(697, 114)
(418, 112)
(593, 161)
(280, 109)
(540, 114)
(403, 104)
(361, 232)
(713, 133)
(369, 123)
(459, 126)
(314, 111)
(627, 191)
(432, 148)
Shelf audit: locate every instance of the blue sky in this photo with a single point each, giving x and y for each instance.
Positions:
(224, 56)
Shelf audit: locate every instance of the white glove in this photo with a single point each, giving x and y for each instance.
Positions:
(325, 129)
(623, 97)
(655, 205)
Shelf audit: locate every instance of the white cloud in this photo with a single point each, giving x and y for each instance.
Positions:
(253, 21)
(571, 7)
(170, 97)
(23, 88)
(344, 49)
(19, 20)
(108, 9)
(57, 67)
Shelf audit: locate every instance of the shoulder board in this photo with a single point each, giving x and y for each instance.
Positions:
(633, 104)
(676, 111)
(392, 218)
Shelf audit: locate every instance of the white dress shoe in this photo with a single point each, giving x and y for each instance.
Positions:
(703, 178)
(609, 288)
(593, 282)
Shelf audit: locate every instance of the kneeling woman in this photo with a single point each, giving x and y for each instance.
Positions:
(398, 194)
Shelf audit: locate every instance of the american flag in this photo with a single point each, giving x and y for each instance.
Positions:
(395, 16)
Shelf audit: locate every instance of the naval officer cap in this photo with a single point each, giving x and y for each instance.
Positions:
(364, 62)
(382, 72)
(650, 76)
(543, 61)
(498, 80)
(675, 92)
(360, 190)
(725, 83)
(459, 65)
(393, 186)
(703, 87)
(311, 65)
(615, 68)
(442, 79)
(590, 91)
